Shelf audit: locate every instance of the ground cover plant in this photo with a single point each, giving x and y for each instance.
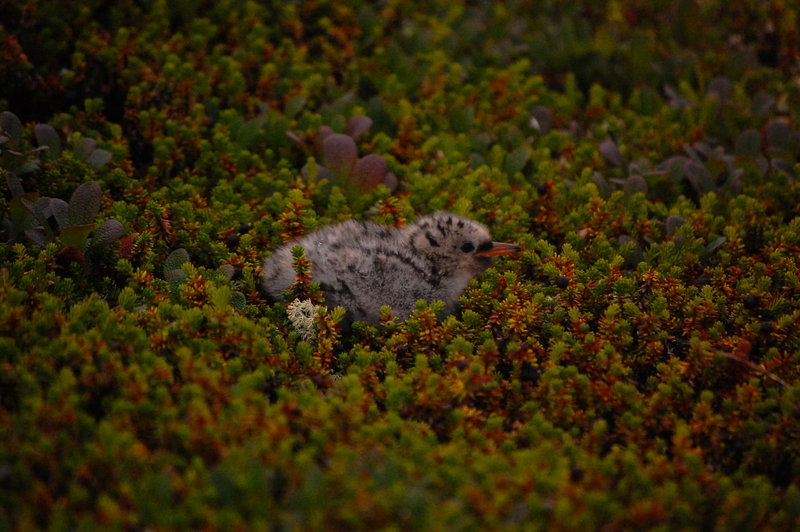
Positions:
(636, 367)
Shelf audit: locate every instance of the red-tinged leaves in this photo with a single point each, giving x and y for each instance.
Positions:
(69, 255)
(369, 172)
(339, 153)
(126, 245)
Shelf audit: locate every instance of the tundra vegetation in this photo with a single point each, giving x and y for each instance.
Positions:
(636, 367)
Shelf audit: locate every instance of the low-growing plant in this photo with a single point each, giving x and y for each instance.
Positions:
(340, 162)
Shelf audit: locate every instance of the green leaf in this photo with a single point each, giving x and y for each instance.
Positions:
(462, 118)
(762, 104)
(84, 203)
(699, 177)
(60, 211)
(381, 119)
(175, 260)
(516, 160)
(108, 232)
(294, 106)
(11, 125)
(541, 119)
(245, 134)
(46, 135)
(41, 210)
(608, 149)
(14, 184)
(37, 235)
(76, 235)
(85, 147)
(315, 172)
(672, 223)
(238, 300)
(219, 296)
(603, 186)
(127, 299)
(227, 270)
(714, 245)
(748, 143)
(781, 136)
(99, 158)
(28, 167)
(20, 210)
(633, 252)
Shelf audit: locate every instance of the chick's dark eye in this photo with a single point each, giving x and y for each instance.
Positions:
(467, 247)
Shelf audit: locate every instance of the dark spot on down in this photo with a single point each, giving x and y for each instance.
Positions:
(432, 241)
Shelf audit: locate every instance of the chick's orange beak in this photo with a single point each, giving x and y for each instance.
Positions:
(499, 248)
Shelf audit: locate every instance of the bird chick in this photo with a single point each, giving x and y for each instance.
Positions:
(362, 266)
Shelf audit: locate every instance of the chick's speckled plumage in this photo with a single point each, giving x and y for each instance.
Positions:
(363, 266)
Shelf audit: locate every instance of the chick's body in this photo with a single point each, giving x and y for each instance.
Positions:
(362, 266)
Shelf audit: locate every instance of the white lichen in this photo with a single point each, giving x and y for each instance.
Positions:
(302, 315)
